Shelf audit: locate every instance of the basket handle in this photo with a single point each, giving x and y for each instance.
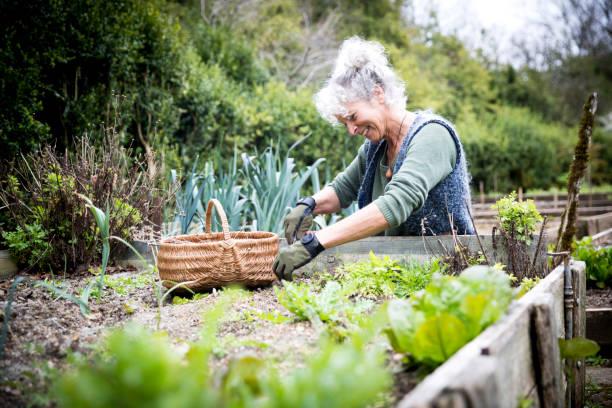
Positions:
(221, 212)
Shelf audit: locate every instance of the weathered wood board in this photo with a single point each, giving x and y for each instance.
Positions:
(598, 223)
(399, 248)
(599, 328)
(409, 248)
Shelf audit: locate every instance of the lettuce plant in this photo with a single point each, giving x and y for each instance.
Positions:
(448, 313)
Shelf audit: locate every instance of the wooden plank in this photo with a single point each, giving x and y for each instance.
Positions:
(579, 329)
(584, 197)
(598, 223)
(583, 211)
(599, 324)
(545, 346)
(507, 343)
(603, 238)
(404, 249)
(477, 206)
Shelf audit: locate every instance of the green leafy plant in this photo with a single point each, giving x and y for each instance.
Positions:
(103, 222)
(577, 348)
(187, 198)
(385, 278)
(525, 286)
(135, 367)
(330, 306)
(179, 300)
(29, 245)
(517, 219)
(598, 262)
(124, 285)
(436, 322)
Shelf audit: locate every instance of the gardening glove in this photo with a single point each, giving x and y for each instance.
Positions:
(296, 255)
(299, 220)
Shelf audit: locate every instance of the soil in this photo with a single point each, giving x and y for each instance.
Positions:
(598, 298)
(44, 330)
(599, 386)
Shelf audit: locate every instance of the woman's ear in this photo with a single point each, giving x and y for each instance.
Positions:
(378, 94)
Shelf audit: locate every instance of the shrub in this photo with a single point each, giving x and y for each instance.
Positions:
(517, 219)
(513, 147)
(40, 195)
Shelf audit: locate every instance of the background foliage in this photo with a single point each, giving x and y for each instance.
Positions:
(181, 82)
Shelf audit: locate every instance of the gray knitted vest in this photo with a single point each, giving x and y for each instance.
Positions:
(446, 201)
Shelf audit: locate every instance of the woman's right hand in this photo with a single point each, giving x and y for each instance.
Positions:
(299, 220)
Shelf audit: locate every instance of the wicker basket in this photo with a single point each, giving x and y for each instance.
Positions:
(214, 259)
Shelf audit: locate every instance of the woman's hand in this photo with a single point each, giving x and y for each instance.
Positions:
(299, 220)
(296, 255)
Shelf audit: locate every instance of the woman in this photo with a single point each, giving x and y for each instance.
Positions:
(409, 177)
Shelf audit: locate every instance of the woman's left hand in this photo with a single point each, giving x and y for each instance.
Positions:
(296, 255)
(289, 259)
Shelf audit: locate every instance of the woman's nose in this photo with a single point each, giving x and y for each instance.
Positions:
(352, 128)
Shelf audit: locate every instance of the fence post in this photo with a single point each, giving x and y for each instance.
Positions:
(481, 187)
(579, 329)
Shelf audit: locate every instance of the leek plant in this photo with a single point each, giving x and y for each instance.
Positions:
(321, 220)
(273, 186)
(187, 198)
(230, 195)
(103, 222)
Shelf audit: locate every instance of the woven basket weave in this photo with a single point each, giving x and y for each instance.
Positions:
(214, 259)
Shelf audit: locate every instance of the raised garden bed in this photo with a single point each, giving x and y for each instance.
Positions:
(258, 324)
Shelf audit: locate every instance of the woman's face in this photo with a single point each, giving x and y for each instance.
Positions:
(365, 118)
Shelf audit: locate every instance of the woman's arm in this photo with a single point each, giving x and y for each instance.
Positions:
(430, 159)
(327, 201)
(364, 223)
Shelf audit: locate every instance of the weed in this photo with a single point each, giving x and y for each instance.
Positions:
(178, 300)
(272, 317)
(331, 306)
(124, 285)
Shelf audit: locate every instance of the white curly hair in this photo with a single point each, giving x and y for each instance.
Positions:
(360, 67)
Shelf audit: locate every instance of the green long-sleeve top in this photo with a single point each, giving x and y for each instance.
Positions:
(430, 157)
